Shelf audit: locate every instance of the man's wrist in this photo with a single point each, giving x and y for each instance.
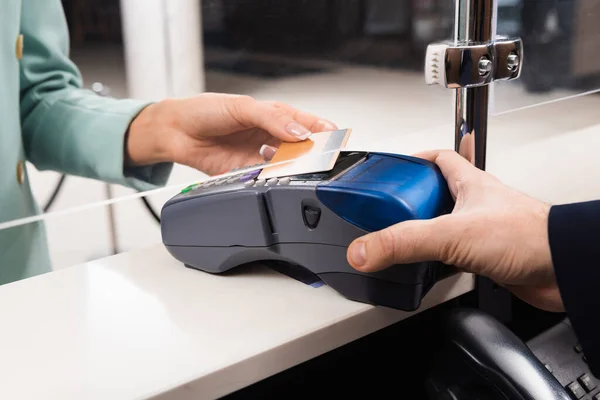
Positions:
(145, 140)
(543, 213)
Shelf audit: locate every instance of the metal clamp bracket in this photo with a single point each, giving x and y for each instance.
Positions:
(472, 65)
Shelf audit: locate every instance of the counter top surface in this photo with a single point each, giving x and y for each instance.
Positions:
(140, 324)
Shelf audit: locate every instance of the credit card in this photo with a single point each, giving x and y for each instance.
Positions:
(315, 154)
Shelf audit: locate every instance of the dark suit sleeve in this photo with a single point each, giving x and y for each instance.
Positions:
(574, 234)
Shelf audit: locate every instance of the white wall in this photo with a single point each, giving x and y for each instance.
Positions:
(163, 48)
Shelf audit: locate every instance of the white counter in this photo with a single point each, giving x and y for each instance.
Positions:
(139, 324)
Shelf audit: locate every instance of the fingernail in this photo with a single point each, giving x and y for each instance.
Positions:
(267, 152)
(327, 125)
(358, 254)
(298, 130)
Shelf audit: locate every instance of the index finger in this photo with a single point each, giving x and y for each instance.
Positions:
(312, 122)
(453, 166)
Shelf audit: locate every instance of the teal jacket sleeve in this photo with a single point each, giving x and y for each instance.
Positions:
(65, 127)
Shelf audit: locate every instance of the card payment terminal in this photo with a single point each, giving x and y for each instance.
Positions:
(309, 220)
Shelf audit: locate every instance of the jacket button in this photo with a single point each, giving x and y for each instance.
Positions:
(19, 47)
(20, 172)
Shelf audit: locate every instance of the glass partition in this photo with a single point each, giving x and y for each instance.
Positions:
(360, 64)
(560, 40)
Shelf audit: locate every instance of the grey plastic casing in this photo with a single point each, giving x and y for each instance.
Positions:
(219, 228)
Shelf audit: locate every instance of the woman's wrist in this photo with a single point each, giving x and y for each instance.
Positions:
(146, 139)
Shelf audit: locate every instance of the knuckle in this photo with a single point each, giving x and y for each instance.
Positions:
(242, 102)
(388, 244)
(461, 183)
(238, 108)
(445, 154)
(278, 105)
(277, 114)
(448, 252)
(274, 107)
(455, 250)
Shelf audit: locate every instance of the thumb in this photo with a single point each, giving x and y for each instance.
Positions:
(404, 243)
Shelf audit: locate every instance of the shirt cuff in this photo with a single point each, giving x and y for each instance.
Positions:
(148, 177)
(140, 178)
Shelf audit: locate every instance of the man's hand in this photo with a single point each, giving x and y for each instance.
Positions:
(493, 231)
(216, 132)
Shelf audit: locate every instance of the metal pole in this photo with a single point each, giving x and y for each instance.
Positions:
(474, 24)
(112, 225)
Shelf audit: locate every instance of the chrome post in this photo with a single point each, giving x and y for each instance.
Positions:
(474, 23)
(469, 64)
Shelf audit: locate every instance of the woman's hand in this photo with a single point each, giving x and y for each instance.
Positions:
(215, 133)
(493, 231)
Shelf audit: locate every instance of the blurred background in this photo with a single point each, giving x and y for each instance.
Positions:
(359, 63)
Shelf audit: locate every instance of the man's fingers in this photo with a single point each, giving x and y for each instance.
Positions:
(453, 166)
(404, 243)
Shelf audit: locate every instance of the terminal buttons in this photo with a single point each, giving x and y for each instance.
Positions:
(248, 179)
(187, 189)
(270, 182)
(311, 216)
(250, 175)
(587, 382)
(576, 390)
